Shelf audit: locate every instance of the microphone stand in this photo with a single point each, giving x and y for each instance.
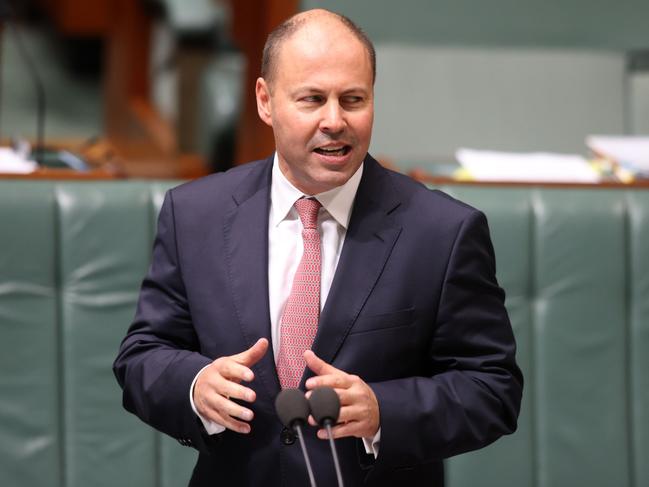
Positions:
(327, 425)
(6, 12)
(325, 408)
(4, 15)
(300, 437)
(293, 410)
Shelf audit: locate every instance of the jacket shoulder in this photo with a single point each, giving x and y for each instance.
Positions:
(427, 201)
(220, 187)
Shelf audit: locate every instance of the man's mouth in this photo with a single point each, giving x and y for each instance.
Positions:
(333, 151)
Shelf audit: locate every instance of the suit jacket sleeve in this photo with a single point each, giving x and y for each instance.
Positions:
(160, 356)
(473, 394)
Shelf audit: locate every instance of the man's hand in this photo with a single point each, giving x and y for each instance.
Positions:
(221, 381)
(359, 409)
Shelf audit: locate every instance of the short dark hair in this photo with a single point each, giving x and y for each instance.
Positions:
(286, 29)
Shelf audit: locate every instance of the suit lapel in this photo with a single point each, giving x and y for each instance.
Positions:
(370, 239)
(368, 244)
(246, 243)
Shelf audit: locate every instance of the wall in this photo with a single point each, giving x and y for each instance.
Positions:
(616, 24)
(503, 74)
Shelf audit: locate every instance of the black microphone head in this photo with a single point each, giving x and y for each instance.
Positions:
(291, 407)
(325, 404)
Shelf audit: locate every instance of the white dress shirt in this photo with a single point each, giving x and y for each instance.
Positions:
(285, 250)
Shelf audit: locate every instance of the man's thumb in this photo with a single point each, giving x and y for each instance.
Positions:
(254, 353)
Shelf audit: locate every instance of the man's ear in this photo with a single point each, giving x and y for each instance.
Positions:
(262, 93)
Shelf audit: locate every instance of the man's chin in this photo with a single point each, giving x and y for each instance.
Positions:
(328, 179)
(318, 176)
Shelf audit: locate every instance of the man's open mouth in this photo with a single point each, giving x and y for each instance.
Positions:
(333, 151)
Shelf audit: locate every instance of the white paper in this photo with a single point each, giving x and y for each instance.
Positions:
(631, 152)
(526, 166)
(14, 163)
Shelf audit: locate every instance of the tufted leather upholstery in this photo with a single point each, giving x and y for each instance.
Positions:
(574, 263)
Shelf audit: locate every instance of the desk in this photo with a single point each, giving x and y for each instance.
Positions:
(443, 175)
(118, 158)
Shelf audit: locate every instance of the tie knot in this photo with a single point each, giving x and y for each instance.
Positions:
(308, 208)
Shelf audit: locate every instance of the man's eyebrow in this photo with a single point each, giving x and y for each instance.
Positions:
(356, 89)
(306, 89)
(314, 89)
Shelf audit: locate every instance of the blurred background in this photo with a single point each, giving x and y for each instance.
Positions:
(165, 88)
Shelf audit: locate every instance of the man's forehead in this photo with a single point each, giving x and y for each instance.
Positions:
(317, 15)
(306, 66)
(326, 38)
(319, 36)
(321, 32)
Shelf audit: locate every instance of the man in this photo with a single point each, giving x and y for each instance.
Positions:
(406, 320)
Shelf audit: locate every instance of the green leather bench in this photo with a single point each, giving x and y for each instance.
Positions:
(574, 263)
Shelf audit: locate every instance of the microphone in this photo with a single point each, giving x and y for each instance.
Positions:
(325, 408)
(293, 411)
(7, 14)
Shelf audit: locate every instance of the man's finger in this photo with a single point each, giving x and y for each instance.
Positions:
(229, 414)
(229, 422)
(340, 431)
(233, 390)
(236, 411)
(338, 381)
(232, 370)
(253, 354)
(317, 365)
(349, 413)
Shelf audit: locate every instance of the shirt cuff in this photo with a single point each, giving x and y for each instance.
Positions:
(371, 446)
(212, 427)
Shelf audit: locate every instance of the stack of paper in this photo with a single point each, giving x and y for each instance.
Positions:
(526, 167)
(12, 162)
(630, 152)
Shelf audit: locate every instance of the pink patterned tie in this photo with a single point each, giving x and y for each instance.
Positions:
(299, 322)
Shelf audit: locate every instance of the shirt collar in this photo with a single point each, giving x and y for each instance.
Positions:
(337, 201)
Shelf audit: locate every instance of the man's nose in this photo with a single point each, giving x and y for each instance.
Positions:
(333, 119)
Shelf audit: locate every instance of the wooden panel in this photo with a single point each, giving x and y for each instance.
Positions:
(80, 17)
(252, 22)
(127, 61)
(146, 143)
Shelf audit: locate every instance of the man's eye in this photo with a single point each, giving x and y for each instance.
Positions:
(312, 99)
(352, 100)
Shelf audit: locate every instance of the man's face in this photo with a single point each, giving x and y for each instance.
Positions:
(320, 106)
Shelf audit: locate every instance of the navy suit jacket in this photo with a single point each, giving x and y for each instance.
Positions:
(414, 310)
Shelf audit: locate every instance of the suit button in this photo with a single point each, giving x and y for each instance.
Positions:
(287, 436)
